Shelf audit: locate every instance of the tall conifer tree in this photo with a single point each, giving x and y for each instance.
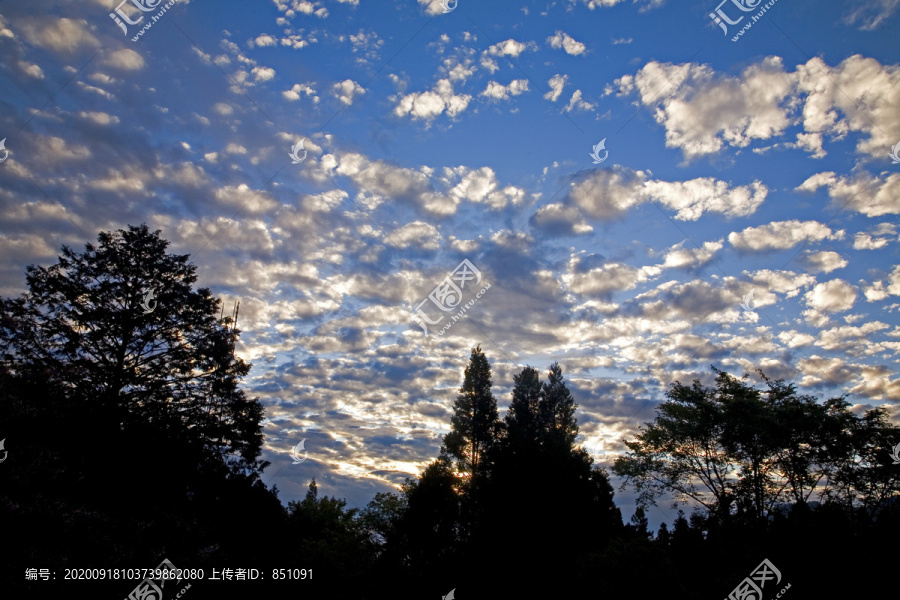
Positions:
(557, 409)
(475, 423)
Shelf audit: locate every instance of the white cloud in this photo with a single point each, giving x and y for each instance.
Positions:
(432, 7)
(458, 71)
(245, 197)
(379, 181)
(874, 292)
(510, 47)
(263, 73)
(298, 40)
(862, 96)
(99, 118)
(556, 83)
(824, 262)
(365, 45)
(126, 59)
(60, 34)
(608, 194)
(679, 257)
(870, 196)
(812, 143)
(788, 283)
(694, 197)
(291, 7)
(489, 64)
(604, 280)
(877, 238)
(563, 40)
(781, 235)
(264, 40)
(575, 102)
(871, 14)
(421, 235)
(846, 337)
(894, 282)
(293, 94)
(592, 4)
(794, 339)
(497, 91)
(833, 296)
(346, 91)
(703, 111)
(31, 69)
(430, 104)
(480, 186)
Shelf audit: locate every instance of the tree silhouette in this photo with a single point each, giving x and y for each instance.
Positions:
(864, 474)
(431, 525)
(682, 451)
(557, 409)
(524, 427)
(740, 452)
(639, 522)
(475, 424)
(328, 538)
(141, 444)
(84, 323)
(543, 504)
(133, 436)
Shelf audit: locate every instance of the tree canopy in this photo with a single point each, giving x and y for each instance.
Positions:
(89, 329)
(741, 451)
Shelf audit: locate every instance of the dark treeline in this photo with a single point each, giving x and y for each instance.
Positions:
(131, 441)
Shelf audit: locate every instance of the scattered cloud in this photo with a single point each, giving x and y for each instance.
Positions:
(781, 235)
(562, 40)
(430, 104)
(346, 91)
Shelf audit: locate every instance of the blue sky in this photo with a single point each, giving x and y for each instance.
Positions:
(758, 165)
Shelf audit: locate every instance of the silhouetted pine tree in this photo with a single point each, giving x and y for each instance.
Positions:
(557, 410)
(475, 424)
(545, 506)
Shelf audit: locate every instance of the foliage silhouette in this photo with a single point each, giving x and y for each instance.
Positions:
(139, 444)
(137, 436)
(740, 452)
